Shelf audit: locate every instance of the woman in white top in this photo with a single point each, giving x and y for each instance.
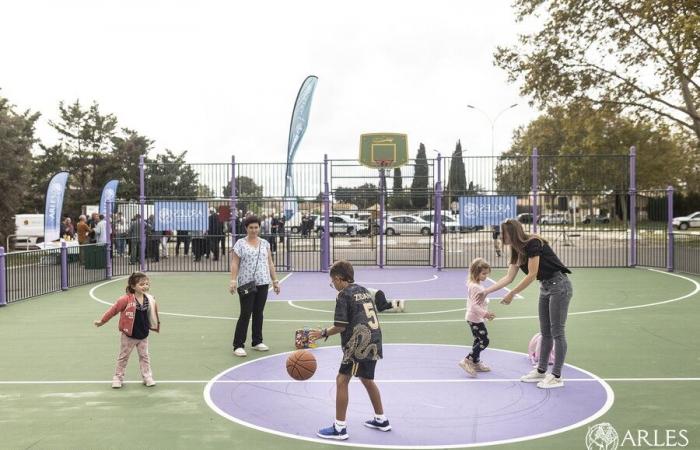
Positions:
(251, 260)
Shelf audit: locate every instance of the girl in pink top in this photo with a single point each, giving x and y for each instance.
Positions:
(477, 311)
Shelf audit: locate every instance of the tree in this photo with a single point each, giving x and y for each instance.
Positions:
(419, 186)
(640, 56)
(575, 144)
(85, 138)
(16, 141)
(399, 197)
(362, 196)
(457, 178)
(248, 194)
(127, 149)
(170, 176)
(572, 142)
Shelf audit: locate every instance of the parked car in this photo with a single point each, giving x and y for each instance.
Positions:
(294, 222)
(689, 221)
(554, 219)
(407, 224)
(592, 218)
(341, 224)
(524, 218)
(450, 224)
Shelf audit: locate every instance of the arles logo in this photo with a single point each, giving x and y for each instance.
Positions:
(603, 436)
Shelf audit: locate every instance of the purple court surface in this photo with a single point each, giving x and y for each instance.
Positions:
(397, 283)
(429, 400)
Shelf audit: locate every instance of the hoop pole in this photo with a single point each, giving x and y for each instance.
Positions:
(382, 182)
(633, 207)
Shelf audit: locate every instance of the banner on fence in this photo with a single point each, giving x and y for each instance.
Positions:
(186, 216)
(109, 194)
(54, 206)
(486, 210)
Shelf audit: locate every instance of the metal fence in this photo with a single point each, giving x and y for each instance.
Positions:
(686, 252)
(586, 206)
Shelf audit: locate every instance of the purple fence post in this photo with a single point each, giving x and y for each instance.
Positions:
(633, 207)
(232, 204)
(326, 237)
(438, 215)
(535, 185)
(142, 221)
(108, 247)
(669, 220)
(287, 242)
(3, 280)
(64, 266)
(382, 183)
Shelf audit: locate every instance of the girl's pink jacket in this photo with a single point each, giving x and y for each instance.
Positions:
(126, 305)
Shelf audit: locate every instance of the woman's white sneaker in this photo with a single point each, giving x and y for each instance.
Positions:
(550, 382)
(532, 377)
(261, 347)
(240, 352)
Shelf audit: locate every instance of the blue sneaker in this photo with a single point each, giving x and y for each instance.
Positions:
(332, 433)
(374, 423)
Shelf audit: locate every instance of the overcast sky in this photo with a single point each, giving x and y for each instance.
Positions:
(220, 78)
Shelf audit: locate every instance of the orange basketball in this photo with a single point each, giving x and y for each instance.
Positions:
(301, 365)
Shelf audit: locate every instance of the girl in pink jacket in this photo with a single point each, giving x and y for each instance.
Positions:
(138, 314)
(477, 312)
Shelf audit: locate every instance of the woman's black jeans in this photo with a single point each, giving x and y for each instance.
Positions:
(252, 304)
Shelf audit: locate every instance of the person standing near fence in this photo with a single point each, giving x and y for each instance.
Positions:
(533, 255)
(135, 239)
(251, 262)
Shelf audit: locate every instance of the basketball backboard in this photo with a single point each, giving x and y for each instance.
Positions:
(383, 150)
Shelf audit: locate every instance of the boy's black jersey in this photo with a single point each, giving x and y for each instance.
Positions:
(362, 338)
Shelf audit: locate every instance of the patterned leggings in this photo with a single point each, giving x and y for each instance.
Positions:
(481, 339)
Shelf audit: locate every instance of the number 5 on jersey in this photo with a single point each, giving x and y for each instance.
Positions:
(373, 322)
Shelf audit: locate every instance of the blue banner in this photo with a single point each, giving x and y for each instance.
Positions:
(486, 210)
(54, 206)
(186, 216)
(297, 128)
(109, 194)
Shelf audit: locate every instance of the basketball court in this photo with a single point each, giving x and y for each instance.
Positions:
(631, 345)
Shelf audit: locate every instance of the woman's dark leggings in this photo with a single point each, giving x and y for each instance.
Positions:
(252, 304)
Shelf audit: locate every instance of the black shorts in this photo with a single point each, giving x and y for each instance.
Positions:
(364, 369)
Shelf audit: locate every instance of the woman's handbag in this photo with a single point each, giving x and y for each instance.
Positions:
(250, 287)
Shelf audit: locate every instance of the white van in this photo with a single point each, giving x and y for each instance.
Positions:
(30, 231)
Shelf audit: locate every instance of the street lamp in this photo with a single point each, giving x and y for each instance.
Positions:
(493, 124)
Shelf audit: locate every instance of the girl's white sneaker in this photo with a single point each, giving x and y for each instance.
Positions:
(240, 352)
(550, 382)
(532, 377)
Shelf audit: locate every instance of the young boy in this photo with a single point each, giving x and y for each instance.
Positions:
(383, 305)
(361, 340)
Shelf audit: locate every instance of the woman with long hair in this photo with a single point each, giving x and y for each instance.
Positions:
(533, 255)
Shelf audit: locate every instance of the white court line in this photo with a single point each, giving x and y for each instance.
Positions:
(435, 277)
(461, 380)
(390, 321)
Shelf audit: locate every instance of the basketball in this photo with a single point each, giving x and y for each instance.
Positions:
(301, 365)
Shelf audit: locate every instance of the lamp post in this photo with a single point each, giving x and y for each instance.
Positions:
(493, 125)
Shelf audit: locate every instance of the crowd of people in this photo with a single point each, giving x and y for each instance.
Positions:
(209, 243)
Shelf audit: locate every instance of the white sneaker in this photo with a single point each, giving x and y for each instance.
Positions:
(240, 352)
(402, 305)
(550, 382)
(532, 377)
(468, 366)
(261, 347)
